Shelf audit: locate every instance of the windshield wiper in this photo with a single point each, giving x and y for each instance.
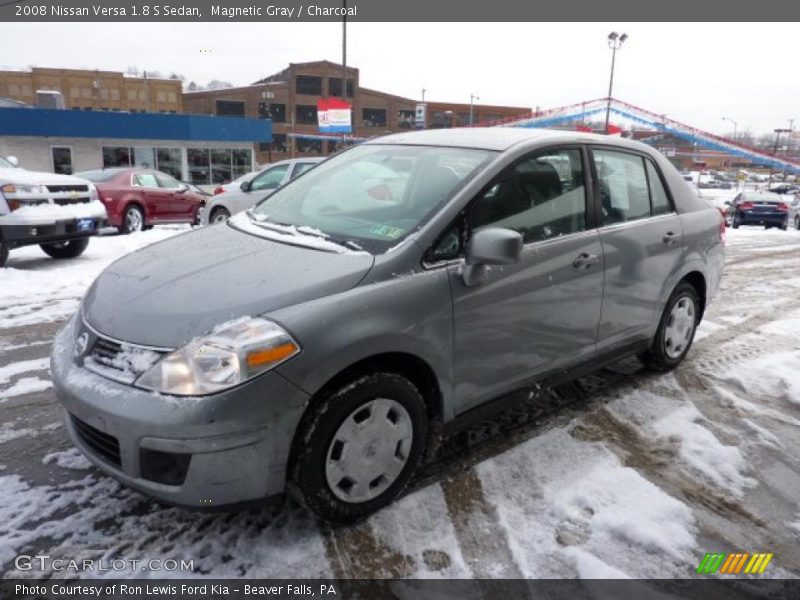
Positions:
(302, 230)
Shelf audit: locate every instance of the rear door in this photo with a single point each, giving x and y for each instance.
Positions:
(642, 239)
(540, 314)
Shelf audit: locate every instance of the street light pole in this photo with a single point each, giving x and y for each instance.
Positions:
(472, 98)
(778, 133)
(615, 42)
(735, 127)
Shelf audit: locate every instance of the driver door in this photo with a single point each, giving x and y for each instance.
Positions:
(541, 314)
(264, 184)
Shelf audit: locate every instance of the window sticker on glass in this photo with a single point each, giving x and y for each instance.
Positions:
(387, 231)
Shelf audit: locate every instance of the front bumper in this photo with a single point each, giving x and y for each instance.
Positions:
(16, 235)
(231, 447)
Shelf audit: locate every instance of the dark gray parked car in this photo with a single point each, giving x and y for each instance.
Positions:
(311, 342)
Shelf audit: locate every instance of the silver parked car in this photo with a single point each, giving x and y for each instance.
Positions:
(251, 191)
(311, 343)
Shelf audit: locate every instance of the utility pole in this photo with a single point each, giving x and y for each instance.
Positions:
(344, 66)
(423, 94)
(472, 98)
(778, 133)
(615, 42)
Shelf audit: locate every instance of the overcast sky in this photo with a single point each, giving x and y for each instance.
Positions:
(696, 73)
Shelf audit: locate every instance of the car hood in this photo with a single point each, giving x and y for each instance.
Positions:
(17, 175)
(170, 292)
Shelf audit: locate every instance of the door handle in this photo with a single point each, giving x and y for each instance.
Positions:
(671, 237)
(584, 261)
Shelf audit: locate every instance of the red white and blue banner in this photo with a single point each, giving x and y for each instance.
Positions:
(334, 116)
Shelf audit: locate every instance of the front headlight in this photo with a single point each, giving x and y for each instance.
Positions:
(231, 354)
(19, 188)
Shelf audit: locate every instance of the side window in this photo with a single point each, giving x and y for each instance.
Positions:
(269, 179)
(301, 168)
(165, 181)
(145, 180)
(541, 196)
(624, 195)
(658, 195)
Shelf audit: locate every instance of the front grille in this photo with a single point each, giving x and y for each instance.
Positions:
(104, 445)
(68, 201)
(119, 361)
(68, 188)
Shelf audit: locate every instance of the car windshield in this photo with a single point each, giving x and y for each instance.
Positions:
(99, 175)
(4, 164)
(371, 196)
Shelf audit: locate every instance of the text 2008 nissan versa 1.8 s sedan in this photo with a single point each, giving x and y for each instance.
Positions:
(310, 343)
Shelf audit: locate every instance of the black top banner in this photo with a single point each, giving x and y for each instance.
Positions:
(396, 10)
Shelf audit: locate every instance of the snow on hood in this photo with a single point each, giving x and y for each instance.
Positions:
(39, 178)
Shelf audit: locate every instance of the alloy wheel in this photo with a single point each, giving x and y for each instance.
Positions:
(680, 327)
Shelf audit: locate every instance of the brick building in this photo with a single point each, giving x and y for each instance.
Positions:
(290, 96)
(94, 90)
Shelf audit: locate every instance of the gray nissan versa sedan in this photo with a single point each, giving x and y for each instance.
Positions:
(311, 342)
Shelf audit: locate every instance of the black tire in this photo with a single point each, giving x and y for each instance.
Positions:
(3, 254)
(785, 225)
(658, 356)
(67, 249)
(797, 222)
(129, 220)
(736, 221)
(315, 440)
(219, 215)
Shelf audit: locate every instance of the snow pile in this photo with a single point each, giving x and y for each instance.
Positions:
(774, 375)
(23, 385)
(560, 500)
(93, 209)
(68, 459)
(677, 425)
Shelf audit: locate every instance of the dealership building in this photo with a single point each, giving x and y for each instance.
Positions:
(203, 150)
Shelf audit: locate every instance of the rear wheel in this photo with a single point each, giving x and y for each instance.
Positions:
(358, 449)
(66, 249)
(219, 215)
(797, 222)
(132, 220)
(676, 330)
(785, 225)
(737, 220)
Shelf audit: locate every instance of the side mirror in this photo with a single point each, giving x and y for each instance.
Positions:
(182, 188)
(13, 160)
(245, 186)
(490, 246)
(728, 203)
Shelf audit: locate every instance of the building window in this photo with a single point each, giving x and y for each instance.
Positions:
(441, 119)
(168, 160)
(218, 165)
(405, 119)
(116, 157)
(199, 166)
(161, 97)
(230, 108)
(279, 142)
(335, 87)
(374, 117)
(171, 97)
(306, 113)
(62, 160)
(309, 85)
(309, 146)
(276, 112)
(144, 157)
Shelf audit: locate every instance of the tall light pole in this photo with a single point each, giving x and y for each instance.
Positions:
(615, 42)
(735, 126)
(472, 98)
(778, 133)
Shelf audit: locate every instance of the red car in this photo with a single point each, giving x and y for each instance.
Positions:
(137, 199)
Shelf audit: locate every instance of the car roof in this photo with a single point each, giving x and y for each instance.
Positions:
(499, 138)
(290, 161)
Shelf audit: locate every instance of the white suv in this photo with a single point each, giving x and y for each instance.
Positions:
(58, 212)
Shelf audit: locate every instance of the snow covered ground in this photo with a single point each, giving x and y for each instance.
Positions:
(624, 474)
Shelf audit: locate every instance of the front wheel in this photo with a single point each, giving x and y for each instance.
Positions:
(219, 215)
(356, 452)
(797, 222)
(676, 330)
(66, 249)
